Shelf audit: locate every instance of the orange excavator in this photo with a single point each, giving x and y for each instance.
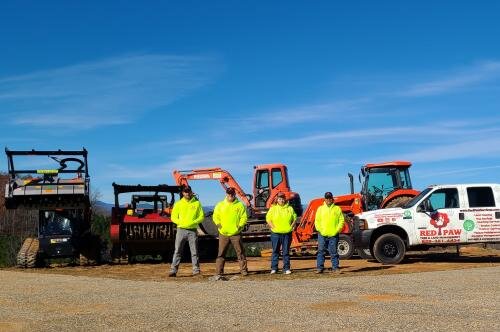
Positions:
(269, 180)
(383, 185)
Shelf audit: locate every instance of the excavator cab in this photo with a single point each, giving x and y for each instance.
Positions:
(270, 180)
(382, 183)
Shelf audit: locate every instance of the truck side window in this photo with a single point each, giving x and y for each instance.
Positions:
(446, 198)
(451, 199)
(480, 197)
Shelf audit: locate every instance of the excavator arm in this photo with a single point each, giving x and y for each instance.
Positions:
(225, 178)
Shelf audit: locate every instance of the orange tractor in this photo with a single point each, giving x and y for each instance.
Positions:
(383, 185)
(269, 180)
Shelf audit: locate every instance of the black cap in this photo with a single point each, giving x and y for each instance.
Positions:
(328, 195)
(231, 191)
(187, 189)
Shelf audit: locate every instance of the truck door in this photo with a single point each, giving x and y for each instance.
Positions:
(481, 221)
(437, 218)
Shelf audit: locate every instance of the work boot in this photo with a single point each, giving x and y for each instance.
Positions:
(336, 271)
(196, 273)
(318, 271)
(219, 277)
(244, 273)
(273, 271)
(288, 272)
(172, 274)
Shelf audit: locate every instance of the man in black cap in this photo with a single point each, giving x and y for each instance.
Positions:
(186, 214)
(329, 222)
(230, 217)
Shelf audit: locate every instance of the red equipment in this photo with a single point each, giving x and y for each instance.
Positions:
(269, 180)
(143, 227)
(384, 185)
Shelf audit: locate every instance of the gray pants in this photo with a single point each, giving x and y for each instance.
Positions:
(181, 237)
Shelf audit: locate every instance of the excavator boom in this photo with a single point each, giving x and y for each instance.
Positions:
(225, 178)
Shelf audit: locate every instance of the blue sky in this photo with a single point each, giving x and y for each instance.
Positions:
(322, 86)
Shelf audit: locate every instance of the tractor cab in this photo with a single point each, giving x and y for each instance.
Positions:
(146, 204)
(60, 231)
(383, 181)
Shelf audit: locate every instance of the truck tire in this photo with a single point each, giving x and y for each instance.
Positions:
(345, 247)
(389, 249)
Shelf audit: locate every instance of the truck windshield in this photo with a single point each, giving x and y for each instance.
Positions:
(416, 199)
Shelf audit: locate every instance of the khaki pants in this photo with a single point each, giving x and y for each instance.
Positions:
(223, 246)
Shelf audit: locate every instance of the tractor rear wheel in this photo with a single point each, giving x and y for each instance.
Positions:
(398, 201)
(345, 247)
(389, 249)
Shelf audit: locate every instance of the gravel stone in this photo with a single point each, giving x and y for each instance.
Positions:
(430, 301)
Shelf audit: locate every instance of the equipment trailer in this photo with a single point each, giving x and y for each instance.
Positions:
(62, 198)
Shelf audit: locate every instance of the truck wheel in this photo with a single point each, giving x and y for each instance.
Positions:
(345, 247)
(364, 253)
(389, 249)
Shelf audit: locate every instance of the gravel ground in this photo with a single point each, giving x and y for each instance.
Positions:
(444, 300)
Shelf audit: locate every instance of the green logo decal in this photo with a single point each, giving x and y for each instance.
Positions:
(407, 214)
(469, 225)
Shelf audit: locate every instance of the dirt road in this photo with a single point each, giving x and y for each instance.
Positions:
(438, 292)
(302, 267)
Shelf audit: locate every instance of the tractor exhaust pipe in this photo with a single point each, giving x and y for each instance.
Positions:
(351, 182)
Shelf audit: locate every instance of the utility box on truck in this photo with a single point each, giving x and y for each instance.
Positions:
(439, 216)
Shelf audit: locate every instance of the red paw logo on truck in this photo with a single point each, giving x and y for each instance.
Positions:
(439, 220)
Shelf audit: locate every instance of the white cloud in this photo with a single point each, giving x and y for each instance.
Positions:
(470, 76)
(458, 171)
(483, 148)
(110, 91)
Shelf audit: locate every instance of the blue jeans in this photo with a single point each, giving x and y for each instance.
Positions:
(181, 237)
(281, 241)
(329, 243)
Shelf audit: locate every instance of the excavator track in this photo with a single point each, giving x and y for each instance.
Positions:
(28, 254)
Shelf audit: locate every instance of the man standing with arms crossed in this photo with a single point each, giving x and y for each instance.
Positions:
(230, 216)
(186, 214)
(329, 222)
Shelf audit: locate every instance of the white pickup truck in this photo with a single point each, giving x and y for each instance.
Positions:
(440, 215)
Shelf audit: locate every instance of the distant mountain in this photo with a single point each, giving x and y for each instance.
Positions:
(103, 208)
